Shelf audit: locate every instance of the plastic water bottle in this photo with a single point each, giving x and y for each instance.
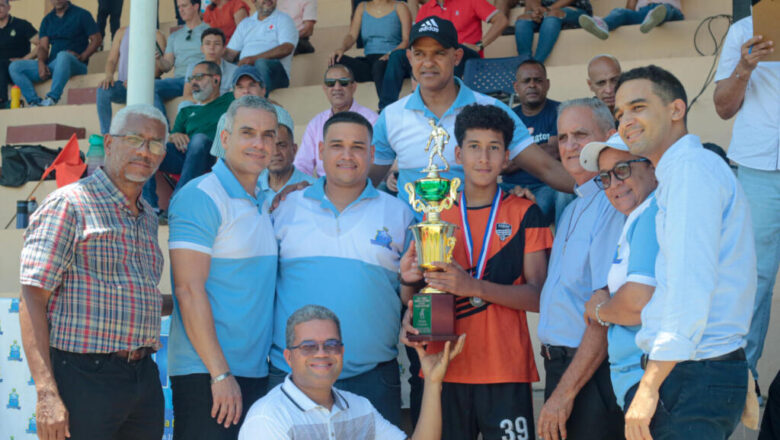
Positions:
(16, 97)
(21, 214)
(95, 154)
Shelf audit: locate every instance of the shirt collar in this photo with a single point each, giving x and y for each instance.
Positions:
(105, 184)
(317, 192)
(670, 155)
(303, 402)
(257, 15)
(464, 98)
(231, 184)
(262, 181)
(586, 189)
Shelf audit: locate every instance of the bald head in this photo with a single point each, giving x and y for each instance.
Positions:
(603, 74)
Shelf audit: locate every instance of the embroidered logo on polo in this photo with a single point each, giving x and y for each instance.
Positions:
(503, 230)
(382, 238)
(429, 26)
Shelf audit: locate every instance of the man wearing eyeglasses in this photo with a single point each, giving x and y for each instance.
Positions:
(307, 405)
(90, 307)
(194, 130)
(223, 260)
(182, 51)
(579, 401)
(339, 87)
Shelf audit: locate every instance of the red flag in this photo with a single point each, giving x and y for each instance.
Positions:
(68, 164)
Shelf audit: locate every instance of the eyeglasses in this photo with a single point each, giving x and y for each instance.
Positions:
(189, 35)
(198, 76)
(330, 82)
(310, 348)
(621, 170)
(155, 147)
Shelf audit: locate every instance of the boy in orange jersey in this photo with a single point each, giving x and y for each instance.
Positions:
(500, 264)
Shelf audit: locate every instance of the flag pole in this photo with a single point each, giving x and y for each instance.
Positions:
(29, 196)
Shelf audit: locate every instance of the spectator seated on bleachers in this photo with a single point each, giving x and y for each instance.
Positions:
(212, 47)
(187, 151)
(467, 17)
(339, 87)
(266, 39)
(16, 34)
(226, 15)
(650, 13)
(181, 52)
(547, 17)
(603, 73)
(111, 90)
(304, 14)
(73, 36)
(384, 27)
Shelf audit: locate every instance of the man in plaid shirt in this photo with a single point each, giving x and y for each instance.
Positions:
(90, 307)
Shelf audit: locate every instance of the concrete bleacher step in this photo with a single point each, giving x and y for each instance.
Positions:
(34, 133)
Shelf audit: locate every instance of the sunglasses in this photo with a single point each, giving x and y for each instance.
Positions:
(310, 348)
(155, 147)
(189, 35)
(198, 76)
(621, 171)
(330, 82)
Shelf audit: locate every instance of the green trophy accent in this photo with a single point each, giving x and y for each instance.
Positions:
(421, 320)
(432, 189)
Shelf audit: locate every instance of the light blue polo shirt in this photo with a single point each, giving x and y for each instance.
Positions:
(214, 215)
(634, 262)
(347, 262)
(402, 131)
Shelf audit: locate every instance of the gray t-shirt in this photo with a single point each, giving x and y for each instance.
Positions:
(184, 44)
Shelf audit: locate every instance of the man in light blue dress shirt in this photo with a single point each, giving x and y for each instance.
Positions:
(694, 327)
(579, 400)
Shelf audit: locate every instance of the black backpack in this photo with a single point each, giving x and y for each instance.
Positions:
(25, 163)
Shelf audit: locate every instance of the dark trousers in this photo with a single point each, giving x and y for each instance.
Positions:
(380, 385)
(699, 401)
(108, 8)
(596, 414)
(367, 68)
(108, 397)
(192, 402)
(5, 80)
(398, 68)
(770, 425)
(190, 164)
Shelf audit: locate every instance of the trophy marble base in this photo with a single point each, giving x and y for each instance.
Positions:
(434, 316)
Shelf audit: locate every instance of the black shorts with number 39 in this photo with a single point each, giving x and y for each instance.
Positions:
(500, 411)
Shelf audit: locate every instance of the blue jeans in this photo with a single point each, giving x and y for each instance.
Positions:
(380, 385)
(762, 189)
(273, 74)
(25, 72)
(623, 17)
(116, 93)
(165, 90)
(194, 162)
(398, 68)
(548, 30)
(699, 401)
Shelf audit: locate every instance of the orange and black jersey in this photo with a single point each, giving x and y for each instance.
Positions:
(498, 348)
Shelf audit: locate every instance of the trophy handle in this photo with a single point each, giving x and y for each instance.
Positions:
(450, 248)
(416, 203)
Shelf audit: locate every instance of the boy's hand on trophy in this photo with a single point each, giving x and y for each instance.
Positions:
(410, 271)
(453, 279)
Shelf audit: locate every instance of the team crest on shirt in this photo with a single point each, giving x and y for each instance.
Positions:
(503, 230)
(13, 32)
(382, 238)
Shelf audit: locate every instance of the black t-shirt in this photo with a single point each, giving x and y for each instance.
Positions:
(541, 126)
(15, 38)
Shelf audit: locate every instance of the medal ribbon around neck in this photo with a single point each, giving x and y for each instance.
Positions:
(486, 240)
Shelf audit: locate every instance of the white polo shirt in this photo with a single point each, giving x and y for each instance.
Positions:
(287, 413)
(755, 139)
(254, 36)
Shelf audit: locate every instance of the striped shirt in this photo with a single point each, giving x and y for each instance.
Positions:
(102, 265)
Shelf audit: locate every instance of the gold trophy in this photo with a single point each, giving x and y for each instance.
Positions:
(433, 310)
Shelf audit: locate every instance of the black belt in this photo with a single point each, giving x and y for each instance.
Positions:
(736, 355)
(133, 355)
(554, 352)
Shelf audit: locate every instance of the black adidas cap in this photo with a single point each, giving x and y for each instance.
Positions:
(437, 28)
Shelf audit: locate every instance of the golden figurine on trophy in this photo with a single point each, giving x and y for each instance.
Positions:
(433, 310)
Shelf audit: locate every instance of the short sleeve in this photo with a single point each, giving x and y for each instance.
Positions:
(386, 430)
(170, 45)
(90, 27)
(262, 428)
(49, 243)
(310, 10)
(288, 33)
(28, 30)
(731, 52)
(237, 39)
(483, 9)
(537, 235)
(383, 151)
(180, 123)
(44, 30)
(602, 246)
(193, 220)
(643, 243)
(238, 5)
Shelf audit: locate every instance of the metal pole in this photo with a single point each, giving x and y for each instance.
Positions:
(140, 75)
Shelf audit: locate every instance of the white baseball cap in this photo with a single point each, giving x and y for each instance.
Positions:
(589, 156)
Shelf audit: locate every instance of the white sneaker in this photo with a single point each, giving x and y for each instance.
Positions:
(595, 25)
(653, 19)
(48, 102)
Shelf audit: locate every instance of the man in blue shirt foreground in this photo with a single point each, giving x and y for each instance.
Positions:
(693, 329)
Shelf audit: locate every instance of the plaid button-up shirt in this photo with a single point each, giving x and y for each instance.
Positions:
(102, 264)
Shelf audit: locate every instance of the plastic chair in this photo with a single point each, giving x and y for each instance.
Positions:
(493, 76)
